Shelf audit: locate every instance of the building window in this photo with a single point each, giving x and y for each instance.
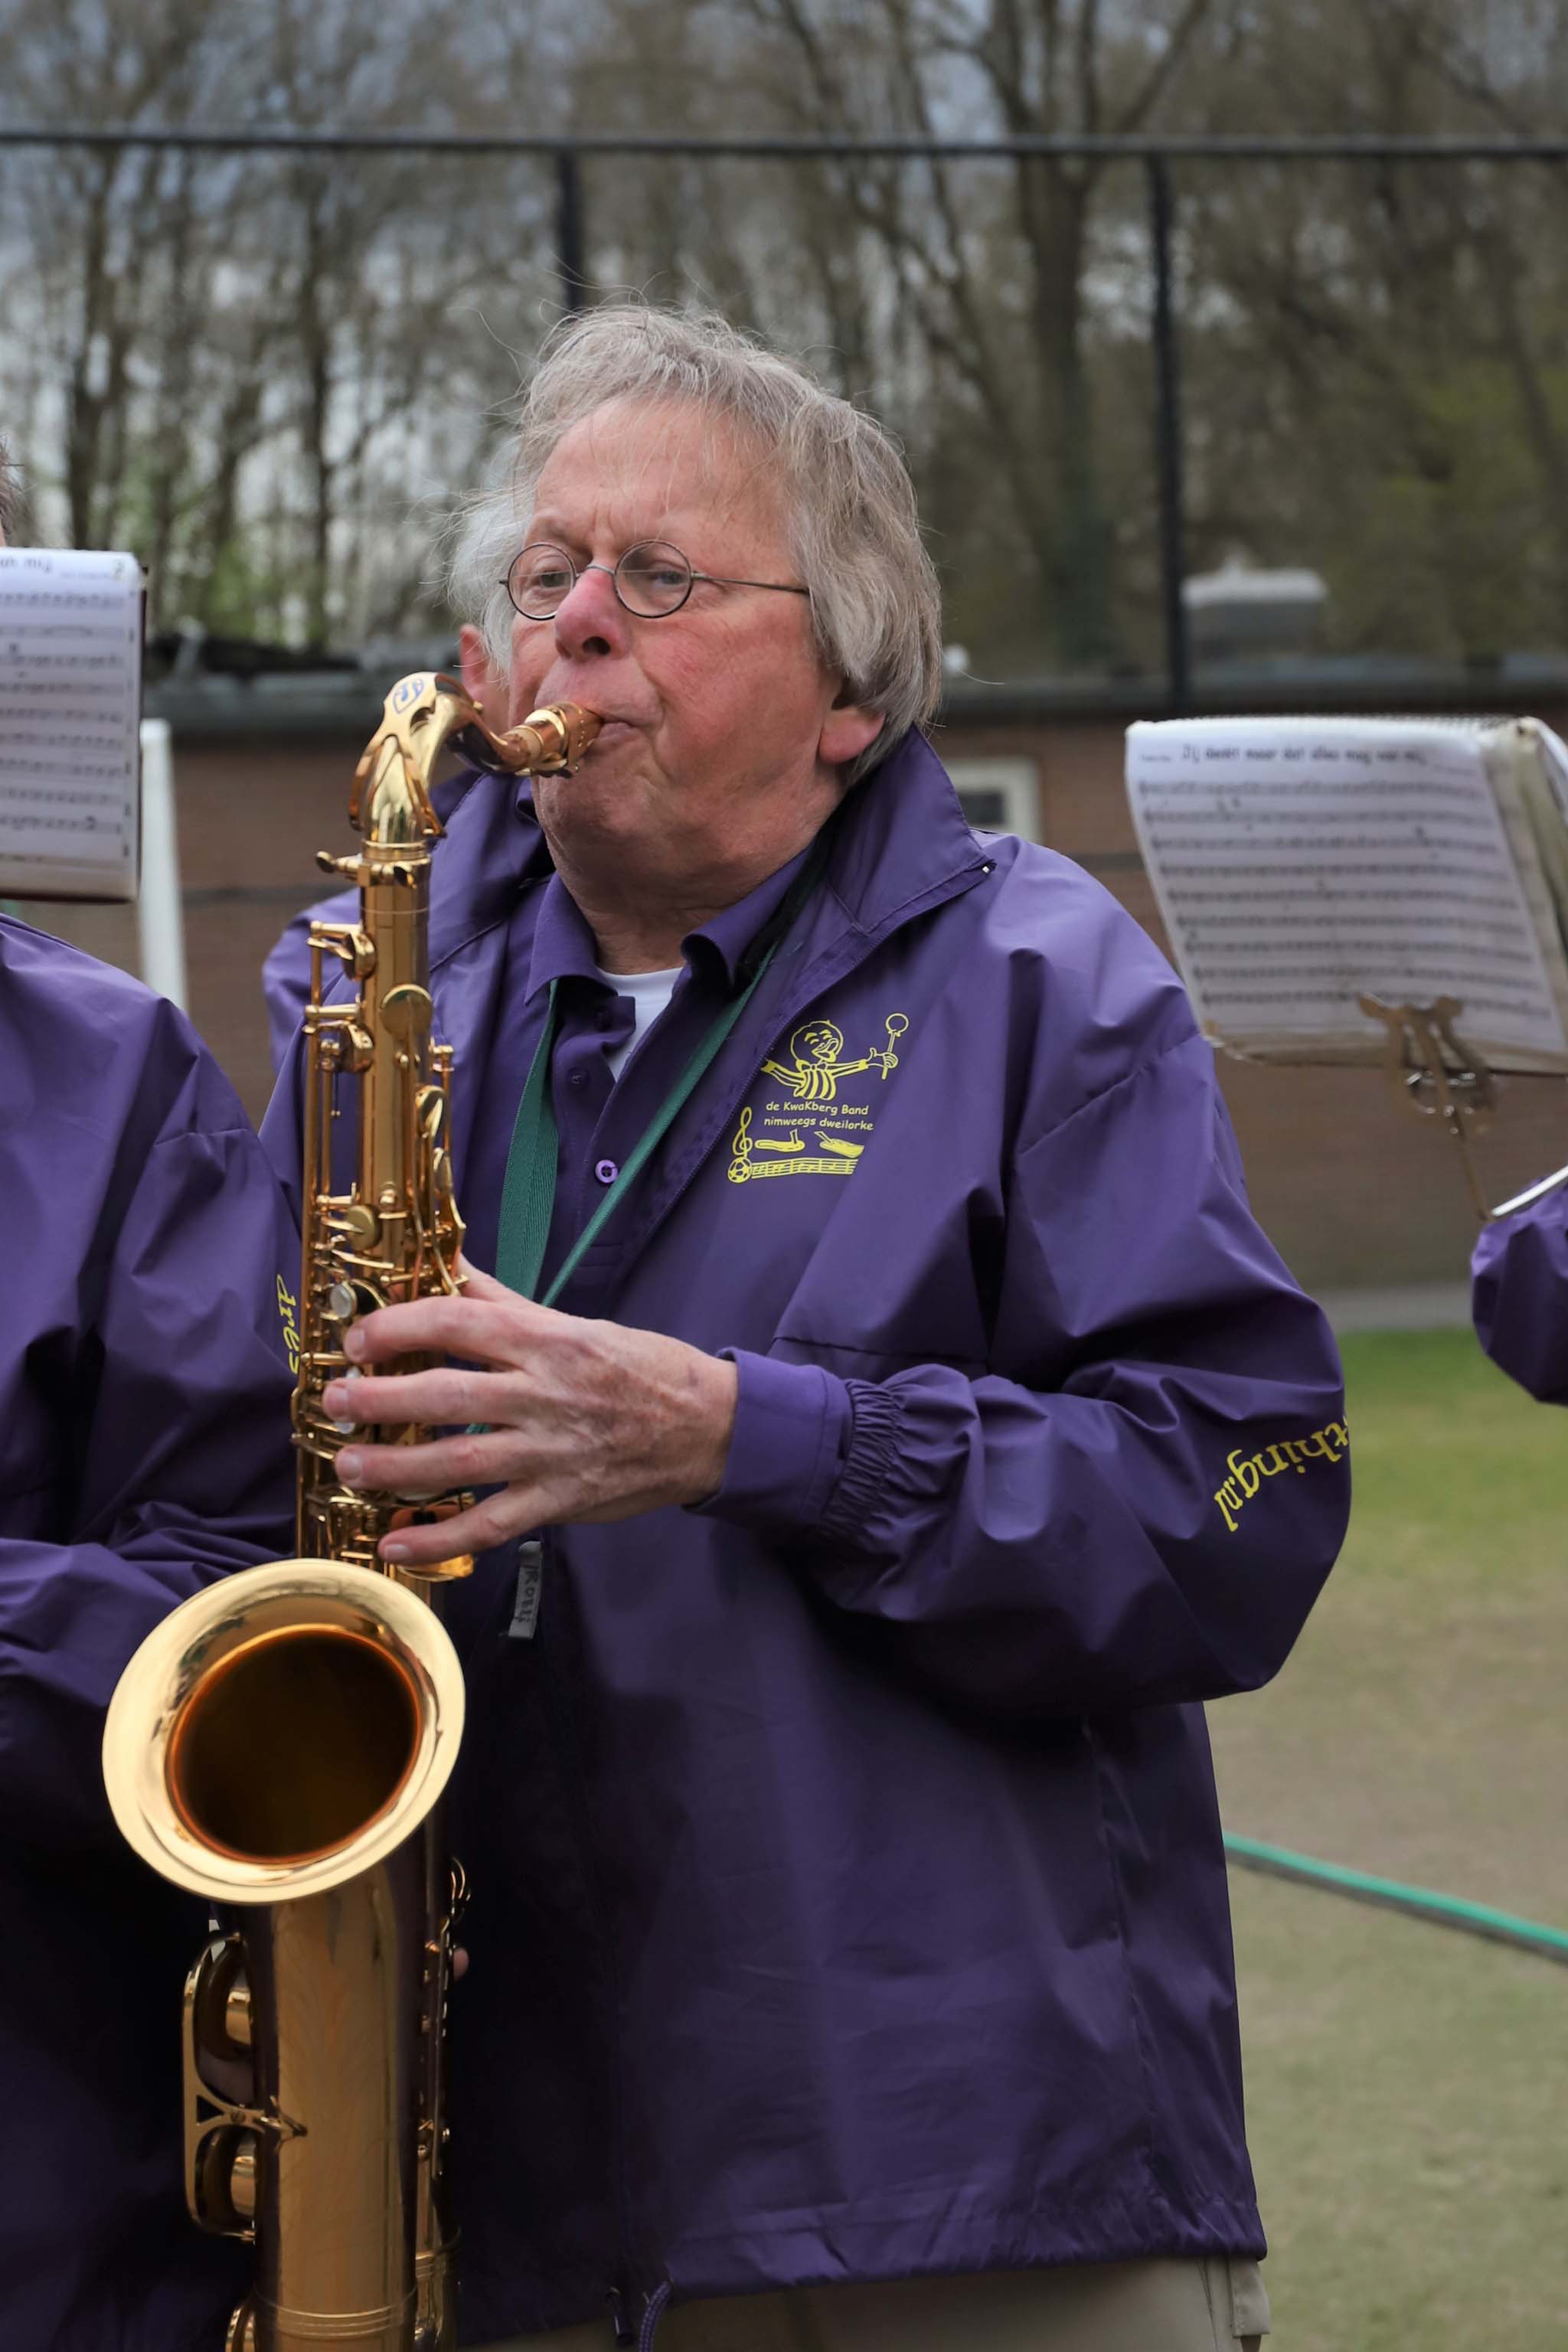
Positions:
(999, 795)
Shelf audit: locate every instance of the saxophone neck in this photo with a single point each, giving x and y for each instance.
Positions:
(429, 713)
(548, 742)
(390, 805)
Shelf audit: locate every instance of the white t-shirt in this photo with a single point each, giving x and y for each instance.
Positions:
(650, 991)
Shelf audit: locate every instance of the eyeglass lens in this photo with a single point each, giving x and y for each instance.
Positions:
(651, 579)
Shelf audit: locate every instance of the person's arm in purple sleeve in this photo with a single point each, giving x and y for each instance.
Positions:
(1519, 1295)
(281, 1132)
(1144, 1506)
(285, 971)
(146, 1369)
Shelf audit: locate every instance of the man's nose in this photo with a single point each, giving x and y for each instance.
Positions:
(591, 619)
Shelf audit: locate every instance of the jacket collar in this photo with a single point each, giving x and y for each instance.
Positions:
(904, 847)
(903, 834)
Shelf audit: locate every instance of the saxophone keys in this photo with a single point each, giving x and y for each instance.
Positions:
(346, 1300)
(347, 1428)
(352, 1047)
(407, 1012)
(440, 1572)
(430, 1104)
(242, 2175)
(241, 2337)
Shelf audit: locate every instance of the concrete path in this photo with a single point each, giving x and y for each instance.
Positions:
(1408, 1306)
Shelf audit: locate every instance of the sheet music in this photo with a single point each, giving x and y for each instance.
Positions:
(1300, 863)
(1555, 762)
(70, 705)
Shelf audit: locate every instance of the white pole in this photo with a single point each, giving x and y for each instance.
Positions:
(158, 909)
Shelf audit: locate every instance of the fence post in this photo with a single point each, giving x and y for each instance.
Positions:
(569, 259)
(160, 913)
(1168, 439)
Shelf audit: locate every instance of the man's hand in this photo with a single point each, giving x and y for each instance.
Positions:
(583, 1419)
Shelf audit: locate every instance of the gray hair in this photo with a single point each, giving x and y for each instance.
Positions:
(848, 502)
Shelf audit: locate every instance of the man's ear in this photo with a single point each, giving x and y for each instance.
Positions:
(482, 682)
(848, 730)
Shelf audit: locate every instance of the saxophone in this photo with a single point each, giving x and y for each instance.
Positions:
(282, 1742)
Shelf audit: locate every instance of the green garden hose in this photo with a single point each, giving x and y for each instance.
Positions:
(1443, 1910)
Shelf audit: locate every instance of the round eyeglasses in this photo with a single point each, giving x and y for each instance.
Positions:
(652, 580)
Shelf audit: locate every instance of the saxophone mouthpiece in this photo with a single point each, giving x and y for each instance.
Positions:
(549, 742)
(552, 742)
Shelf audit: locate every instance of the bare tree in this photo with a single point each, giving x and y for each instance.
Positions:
(259, 370)
(1376, 378)
(996, 271)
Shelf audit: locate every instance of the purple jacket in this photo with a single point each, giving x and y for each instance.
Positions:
(849, 1899)
(1519, 1296)
(143, 1415)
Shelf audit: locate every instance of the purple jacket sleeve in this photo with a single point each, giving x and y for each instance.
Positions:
(1519, 1296)
(286, 970)
(149, 1447)
(1140, 1503)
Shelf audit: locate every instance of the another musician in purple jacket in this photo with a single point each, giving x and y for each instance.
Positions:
(924, 1434)
(149, 1271)
(1519, 1293)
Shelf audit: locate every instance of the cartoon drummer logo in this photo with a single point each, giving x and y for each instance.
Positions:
(817, 1066)
(816, 1049)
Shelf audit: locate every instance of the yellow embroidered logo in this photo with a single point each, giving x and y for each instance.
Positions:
(286, 1312)
(812, 1076)
(1325, 1445)
(818, 1051)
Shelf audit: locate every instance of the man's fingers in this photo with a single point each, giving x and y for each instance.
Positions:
(441, 1398)
(485, 1286)
(441, 1467)
(490, 1522)
(484, 1331)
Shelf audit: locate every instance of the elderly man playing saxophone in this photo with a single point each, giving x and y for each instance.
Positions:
(918, 1438)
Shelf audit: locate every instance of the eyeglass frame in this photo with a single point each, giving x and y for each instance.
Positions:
(613, 573)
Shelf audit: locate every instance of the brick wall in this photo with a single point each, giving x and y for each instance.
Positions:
(1352, 1190)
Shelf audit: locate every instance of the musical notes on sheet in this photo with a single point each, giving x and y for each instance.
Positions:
(71, 707)
(1300, 864)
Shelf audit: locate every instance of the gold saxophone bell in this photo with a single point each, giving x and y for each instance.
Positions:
(305, 1720)
(282, 1742)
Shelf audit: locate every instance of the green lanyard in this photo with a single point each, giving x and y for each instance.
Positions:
(528, 1195)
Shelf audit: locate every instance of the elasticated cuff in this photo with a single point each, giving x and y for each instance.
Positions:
(875, 1416)
(791, 1433)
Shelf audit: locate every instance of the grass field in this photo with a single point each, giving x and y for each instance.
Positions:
(1407, 2086)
